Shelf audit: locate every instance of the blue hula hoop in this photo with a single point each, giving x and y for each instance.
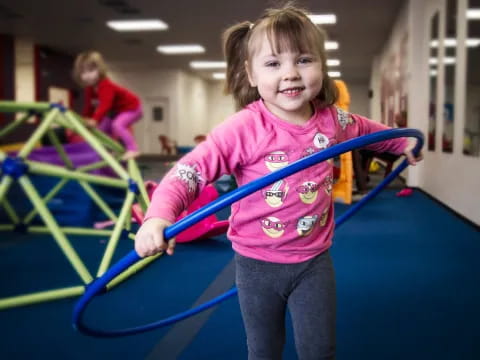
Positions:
(99, 285)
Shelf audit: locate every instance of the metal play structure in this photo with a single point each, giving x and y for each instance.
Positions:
(18, 168)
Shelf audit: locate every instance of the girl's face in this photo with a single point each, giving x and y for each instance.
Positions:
(90, 75)
(287, 81)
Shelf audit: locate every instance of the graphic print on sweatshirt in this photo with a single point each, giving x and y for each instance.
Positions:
(276, 160)
(328, 184)
(273, 227)
(306, 224)
(324, 217)
(189, 175)
(276, 194)
(308, 151)
(344, 118)
(307, 192)
(320, 141)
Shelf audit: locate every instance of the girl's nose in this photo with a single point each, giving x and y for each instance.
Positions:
(291, 73)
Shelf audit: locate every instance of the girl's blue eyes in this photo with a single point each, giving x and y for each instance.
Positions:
(272, 64)
(304, 60)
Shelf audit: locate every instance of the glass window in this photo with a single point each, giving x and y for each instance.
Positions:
(449, 65)
(433, 61)
(471, 140)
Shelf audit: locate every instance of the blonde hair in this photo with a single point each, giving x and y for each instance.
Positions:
(286, 28)
(88, 59)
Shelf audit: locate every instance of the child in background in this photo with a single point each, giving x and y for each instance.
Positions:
(103, 98)
(276, 71)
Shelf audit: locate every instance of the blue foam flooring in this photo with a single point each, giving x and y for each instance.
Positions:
(407, 287)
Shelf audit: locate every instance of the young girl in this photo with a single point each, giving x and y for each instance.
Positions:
(104, 98)
(277, 74)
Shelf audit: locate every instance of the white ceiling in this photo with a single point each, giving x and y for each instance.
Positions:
(76, 25)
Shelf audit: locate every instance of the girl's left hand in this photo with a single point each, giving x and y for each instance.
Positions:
(412, 159)
(91, 122)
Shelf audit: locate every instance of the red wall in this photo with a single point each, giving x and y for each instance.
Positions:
(6, 73)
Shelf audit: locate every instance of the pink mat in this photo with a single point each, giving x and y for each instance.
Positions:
(208, 227)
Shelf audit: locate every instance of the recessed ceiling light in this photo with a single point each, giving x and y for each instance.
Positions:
(208, 64)
(334, 74)
(331, 45)
(323, 19)
(219, 76)
(333, 62)
(181, 49)
(137, 25)
(473, 14)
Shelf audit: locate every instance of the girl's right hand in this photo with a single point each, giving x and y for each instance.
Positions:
(149, 238)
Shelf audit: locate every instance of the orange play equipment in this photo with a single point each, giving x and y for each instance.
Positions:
(343, 187)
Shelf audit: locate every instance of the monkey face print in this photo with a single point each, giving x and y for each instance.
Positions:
(328, 184)
(276, 160)
(308, 192)
(275, 195)
(305, 225)
(273, 227)
(324, 217)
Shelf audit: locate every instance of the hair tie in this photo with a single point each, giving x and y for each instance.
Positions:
(251, 26)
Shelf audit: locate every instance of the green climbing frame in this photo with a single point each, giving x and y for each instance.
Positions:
(19, 168)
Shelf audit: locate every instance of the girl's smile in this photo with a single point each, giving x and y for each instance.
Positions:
(292, 92)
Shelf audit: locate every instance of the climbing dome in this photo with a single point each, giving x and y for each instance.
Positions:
(20, 168)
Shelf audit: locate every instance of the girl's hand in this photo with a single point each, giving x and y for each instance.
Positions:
(149, 238)
(91, 122)
(412, 160)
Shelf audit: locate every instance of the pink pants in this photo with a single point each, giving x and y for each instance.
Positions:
(119, 127)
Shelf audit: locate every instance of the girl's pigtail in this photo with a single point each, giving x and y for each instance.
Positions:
(77, 66)
(235, 40)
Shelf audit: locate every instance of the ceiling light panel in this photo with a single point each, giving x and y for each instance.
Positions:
(137, 25)
(181, 49)
(322, 19)
(333, 62)
(334, 74)
(219, 76)
(331, 45)
(208, 64)
(447, 60)
(473, 14)
(451, 42)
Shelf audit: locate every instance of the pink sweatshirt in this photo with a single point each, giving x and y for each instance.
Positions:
(287, 222)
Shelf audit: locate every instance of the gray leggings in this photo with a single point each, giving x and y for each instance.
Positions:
(308, 288)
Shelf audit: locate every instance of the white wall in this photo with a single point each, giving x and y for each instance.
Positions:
(24, 70)
(359, 101)
(196, 105)
(220, 105)
(382, 65)
(193, 108)
(451, 178)
(150, 84)
(382, 61)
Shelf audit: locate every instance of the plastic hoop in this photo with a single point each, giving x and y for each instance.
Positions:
(99, 285)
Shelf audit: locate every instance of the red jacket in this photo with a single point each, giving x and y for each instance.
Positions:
(107, 97)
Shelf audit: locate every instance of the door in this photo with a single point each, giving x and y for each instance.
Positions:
(156, 119)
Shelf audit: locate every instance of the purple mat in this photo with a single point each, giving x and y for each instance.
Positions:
(80, 154)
